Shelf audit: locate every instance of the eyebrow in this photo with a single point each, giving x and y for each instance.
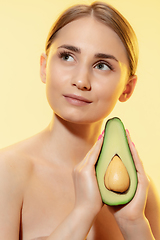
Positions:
(72, 48)
(97, 55)
(103, 55)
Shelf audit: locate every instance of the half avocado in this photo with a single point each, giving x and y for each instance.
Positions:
(115, 169)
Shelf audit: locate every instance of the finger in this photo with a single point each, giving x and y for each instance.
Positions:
(142, 176)
(143, 181)
(92, 155)
(138, 163)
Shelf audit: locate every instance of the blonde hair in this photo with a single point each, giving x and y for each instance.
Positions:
(108, 16)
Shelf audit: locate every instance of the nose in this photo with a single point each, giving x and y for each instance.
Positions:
(81, 79)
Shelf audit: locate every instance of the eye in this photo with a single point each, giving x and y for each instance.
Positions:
(66, 56)
(103, 66)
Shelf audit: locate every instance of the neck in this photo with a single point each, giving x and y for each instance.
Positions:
(70, 142)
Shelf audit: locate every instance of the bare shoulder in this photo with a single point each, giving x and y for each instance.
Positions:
(15, 170)
(153, 209)
(15, 160)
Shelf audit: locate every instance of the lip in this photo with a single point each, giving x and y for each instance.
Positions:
(77, 100)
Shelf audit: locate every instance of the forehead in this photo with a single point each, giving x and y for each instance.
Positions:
(90, 35)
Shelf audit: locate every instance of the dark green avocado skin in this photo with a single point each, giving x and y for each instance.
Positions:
(115, 143)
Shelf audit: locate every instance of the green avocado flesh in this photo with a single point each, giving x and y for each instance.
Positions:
(115, 143)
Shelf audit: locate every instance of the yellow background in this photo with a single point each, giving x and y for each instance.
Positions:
(24, 25)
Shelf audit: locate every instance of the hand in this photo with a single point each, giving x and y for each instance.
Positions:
(134, 210)
(86, 188)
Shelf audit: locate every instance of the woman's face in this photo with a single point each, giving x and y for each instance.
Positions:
(86, 71)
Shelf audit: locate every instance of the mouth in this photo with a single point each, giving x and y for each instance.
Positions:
(77, 100)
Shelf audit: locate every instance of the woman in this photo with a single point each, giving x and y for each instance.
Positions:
(48, 185)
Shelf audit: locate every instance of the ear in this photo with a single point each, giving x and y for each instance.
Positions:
(129, 89)
(43, 61)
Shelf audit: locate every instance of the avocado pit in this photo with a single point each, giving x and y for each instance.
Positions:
(116, 178)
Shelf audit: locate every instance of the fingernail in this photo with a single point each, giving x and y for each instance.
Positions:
(133, 144)
(127, 131)
(100, 136)
(102, 132)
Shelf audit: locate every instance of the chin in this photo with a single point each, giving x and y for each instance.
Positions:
(80, 116)
(79, 120)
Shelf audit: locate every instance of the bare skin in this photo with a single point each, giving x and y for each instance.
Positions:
(45, 193)
(48, 185)
(48, 192)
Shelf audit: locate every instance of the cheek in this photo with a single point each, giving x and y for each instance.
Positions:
(56, 83)
(54, 77)
(52, 84)
(108, 95)
(110, 91)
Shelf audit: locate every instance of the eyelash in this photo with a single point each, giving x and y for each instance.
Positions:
(65, 53)
(105, 63)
